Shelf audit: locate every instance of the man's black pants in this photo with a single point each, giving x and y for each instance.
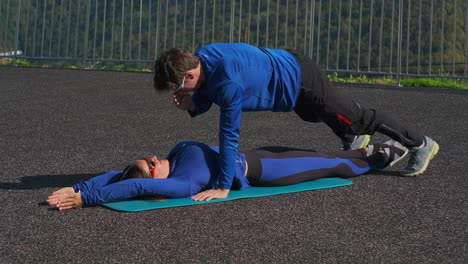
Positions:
(319, 101)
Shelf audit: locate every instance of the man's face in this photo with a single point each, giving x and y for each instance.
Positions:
(190, 83)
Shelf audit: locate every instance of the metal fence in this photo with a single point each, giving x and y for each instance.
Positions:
(394, 37)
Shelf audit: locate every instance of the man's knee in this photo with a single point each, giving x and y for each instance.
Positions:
(309, 117)
(307, 108)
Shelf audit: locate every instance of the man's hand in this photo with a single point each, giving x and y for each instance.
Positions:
(183, 101)
(211, 194)
(65, 199)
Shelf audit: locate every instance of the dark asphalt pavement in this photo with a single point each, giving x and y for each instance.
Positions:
(58, 127)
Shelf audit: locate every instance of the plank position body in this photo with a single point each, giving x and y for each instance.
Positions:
(191, 168)
(240, 78)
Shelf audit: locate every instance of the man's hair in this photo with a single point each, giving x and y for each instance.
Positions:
(170, 67)
(133, 172)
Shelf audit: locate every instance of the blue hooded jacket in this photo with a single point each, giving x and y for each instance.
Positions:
(240, 77)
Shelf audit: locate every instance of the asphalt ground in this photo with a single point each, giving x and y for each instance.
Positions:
(59, 127)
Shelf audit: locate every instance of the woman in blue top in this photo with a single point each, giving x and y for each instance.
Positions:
(191, 167)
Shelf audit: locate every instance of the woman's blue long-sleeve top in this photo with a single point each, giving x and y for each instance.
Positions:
(193, 165)
(240, 77)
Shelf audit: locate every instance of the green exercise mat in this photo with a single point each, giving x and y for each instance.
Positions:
(142, 205)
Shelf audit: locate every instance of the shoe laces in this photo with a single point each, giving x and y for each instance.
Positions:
(413, 157)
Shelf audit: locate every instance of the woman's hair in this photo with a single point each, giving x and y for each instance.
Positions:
(132, 172)
(170, 67)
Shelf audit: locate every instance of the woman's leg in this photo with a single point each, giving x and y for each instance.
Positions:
(285, 168)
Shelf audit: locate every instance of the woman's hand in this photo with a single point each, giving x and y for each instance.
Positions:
(65, 199)
(211, 194)
(65, 190)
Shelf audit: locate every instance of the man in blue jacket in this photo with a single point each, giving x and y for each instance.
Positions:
(239, 77)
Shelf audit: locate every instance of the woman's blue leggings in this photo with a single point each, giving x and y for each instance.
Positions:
(268, 168)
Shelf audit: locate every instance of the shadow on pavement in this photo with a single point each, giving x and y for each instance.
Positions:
(46, 181)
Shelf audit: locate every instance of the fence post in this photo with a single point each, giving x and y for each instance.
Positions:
(18, 13)
(400, 26)
(85, 55)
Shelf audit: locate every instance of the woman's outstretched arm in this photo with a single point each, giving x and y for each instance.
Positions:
(70, 197)
(171, 188)
(122, 190)
(98, 181)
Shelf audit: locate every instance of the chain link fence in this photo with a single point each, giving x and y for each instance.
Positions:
(387, 37)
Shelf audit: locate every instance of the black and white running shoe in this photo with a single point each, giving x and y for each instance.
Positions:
(394, 152)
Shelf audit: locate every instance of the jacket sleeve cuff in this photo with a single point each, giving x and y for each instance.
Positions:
(224, 186)
(76, 187)
(192, 113)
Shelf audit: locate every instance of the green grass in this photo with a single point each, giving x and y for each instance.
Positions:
(386, 80)
(19, 63)
(142, 70)
(25, 63)
(406, 82)
(435, 82)
(5, 61)
(361, 79)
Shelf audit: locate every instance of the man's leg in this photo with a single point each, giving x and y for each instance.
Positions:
(357, 119)
(313, 105)
(349, 117)
(320, 101)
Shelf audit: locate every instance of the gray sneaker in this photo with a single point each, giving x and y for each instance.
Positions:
(420, 157)
(359, 141)
(395, 152)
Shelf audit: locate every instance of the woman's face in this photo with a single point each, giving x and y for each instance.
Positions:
(151, 166)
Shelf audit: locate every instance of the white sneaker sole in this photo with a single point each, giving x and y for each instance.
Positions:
(366, 141)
